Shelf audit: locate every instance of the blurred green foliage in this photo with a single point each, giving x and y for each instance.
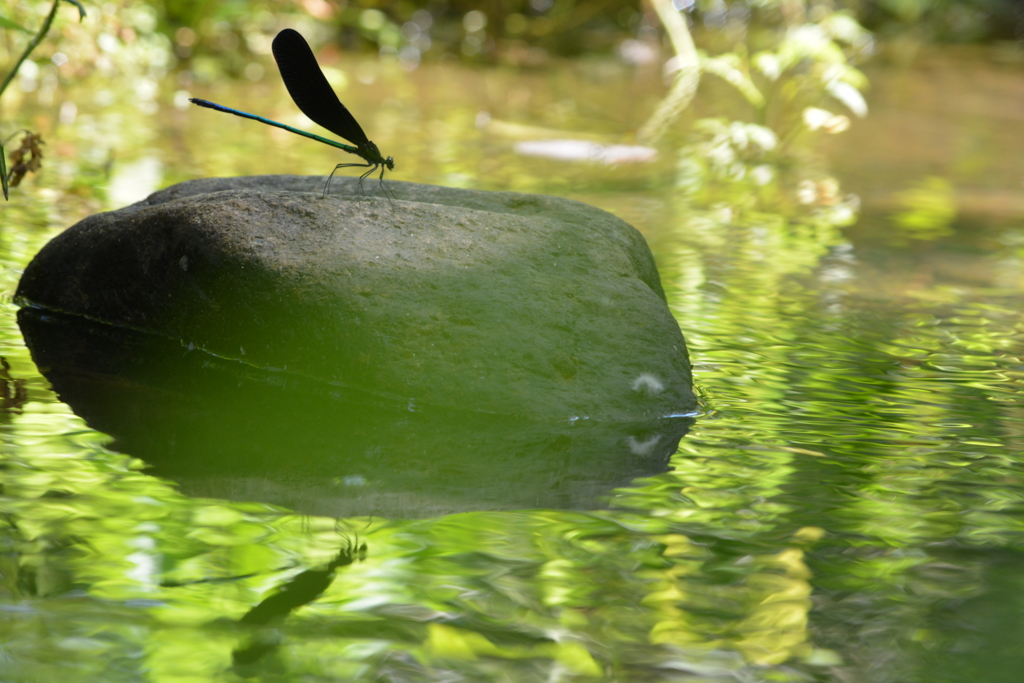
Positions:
(927, 211)
(12, 178)
(513, 31)
(954, 21)
(527, 31)
(791, 64)
(519, 32)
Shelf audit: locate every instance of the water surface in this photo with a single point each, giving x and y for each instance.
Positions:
(848, 507)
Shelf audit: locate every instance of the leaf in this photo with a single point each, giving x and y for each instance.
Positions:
(7, 23)
(809, 42)
(81, 10)
(848, 95)
(768, 64)
(843, 72)
(3, 172)
(761, 136)
(734, 77)
(843, 27)
(455, 643)
(578, 659)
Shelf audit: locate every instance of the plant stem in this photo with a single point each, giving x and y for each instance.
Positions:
(678, 31)
(685, 85)
(32, 44)
(3, 173)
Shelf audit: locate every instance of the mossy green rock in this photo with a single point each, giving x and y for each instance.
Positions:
(503, 303)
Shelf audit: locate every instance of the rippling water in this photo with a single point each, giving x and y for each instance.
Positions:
(848, 507)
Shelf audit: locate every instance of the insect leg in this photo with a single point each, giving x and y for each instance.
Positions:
(384, 188)
(327, 187)
(363, 177)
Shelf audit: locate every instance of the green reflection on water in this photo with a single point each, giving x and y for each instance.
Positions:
(848, 507)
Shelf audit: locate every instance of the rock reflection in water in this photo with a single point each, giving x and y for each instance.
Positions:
(225, 430)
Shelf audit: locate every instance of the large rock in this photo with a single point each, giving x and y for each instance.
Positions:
(500, 303)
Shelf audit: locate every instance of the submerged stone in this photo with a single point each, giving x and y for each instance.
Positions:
(500, 303)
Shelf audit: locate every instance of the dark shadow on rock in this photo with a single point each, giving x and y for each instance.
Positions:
(227, 430)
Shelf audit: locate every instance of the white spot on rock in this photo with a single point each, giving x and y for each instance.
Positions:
(648, 384)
